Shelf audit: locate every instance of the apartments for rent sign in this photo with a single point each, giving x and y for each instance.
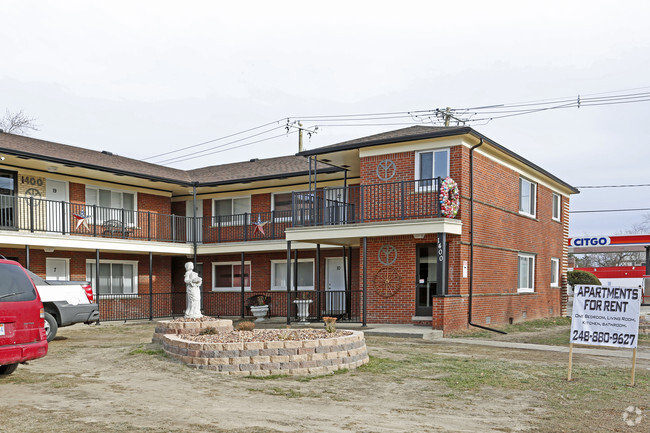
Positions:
(606, 316)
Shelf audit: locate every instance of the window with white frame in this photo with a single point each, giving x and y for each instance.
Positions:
(116, 277)
(230, 211)
(281, 205)
(431, 164)
(526, 272)
(557, 206)
(555, 272)
(305, 274)
(111, 204)
(227, 276)
(527, 197)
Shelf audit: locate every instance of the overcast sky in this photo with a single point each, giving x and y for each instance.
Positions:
(140, 78)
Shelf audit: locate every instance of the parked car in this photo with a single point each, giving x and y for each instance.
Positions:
(65, 303)
(22, 318)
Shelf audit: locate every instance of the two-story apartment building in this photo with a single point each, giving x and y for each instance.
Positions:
(357, 224)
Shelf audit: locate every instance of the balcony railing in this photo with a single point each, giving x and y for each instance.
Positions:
(389, 201)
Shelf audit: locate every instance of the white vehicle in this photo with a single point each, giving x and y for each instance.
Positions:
(65, 303)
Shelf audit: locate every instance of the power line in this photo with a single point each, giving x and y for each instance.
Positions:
(609, 210)
(613, 186)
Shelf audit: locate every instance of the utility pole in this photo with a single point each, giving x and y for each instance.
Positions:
(447, 116)
(296, 124)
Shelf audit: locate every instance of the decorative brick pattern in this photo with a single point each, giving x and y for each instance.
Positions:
(259, 359)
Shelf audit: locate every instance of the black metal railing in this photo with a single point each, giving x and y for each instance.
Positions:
(346, 306)
(49, 216)
(389, 201)
(254, 226)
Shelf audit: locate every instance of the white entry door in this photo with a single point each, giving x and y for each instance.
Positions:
(56, 193)
(334, 286)
(56, 269)
(199, 222)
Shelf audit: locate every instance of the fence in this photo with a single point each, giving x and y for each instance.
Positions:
(345, 305)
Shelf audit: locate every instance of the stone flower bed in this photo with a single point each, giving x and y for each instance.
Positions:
(183, 326)
(272, 351)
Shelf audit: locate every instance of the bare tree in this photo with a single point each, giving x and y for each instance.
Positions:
(17, 122)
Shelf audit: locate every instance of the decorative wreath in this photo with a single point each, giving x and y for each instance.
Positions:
(449, 198)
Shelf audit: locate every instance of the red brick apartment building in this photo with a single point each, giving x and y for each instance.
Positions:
(358, 224)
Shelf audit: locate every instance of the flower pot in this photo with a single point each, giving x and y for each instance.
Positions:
(303, 309)
(260, 312)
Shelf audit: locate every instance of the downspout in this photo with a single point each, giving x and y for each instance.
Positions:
(194, 222)
(471, 240)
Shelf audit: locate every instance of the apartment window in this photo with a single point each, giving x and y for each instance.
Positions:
(555, 272)
(230, 211)
(110, 204)
(281, 204)
(527, 197)
(227, 276)
(526, 273)
(557, 204)
(305, 274)
(115, 277)
(431, 164)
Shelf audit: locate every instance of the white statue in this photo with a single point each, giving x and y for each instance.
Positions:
(193, 283)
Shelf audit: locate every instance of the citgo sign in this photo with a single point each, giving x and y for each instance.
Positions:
(590, 242)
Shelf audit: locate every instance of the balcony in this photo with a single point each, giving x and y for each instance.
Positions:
(393, 201)
(390, 201)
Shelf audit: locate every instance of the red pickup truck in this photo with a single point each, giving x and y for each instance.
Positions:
(22, 317)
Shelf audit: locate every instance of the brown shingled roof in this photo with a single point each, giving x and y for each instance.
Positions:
(258, 169)
(72, 155)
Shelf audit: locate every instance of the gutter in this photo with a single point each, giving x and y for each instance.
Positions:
(471, 241)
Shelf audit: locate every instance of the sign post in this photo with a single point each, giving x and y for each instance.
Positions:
(605, 316)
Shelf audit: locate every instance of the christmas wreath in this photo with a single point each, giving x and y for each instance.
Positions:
(449, 198)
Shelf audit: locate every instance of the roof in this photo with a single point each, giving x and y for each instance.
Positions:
(421, 132)
(256, 169)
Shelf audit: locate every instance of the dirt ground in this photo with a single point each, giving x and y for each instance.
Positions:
(110, 378)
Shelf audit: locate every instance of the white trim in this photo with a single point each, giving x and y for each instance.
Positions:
(136, 275)
(280, 219)
(433, 166)
(555, 264)
(213, 214)
(530, 257)
(231, 289)
(303, 288)
(555, 196)
(533, 198)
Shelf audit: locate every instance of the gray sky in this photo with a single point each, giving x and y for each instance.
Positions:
(140, 78)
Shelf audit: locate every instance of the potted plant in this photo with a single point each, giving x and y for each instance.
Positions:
(303, 307)
(261, 310)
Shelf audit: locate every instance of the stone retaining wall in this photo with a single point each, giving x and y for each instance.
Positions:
(271, 357)
(189, 328)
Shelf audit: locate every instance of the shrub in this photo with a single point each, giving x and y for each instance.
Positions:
(210, 330)
(330, 324)
(581, 277)
(246, 325)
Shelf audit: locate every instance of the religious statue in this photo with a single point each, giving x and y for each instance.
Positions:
(193, 284)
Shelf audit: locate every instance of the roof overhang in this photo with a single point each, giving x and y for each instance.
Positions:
(350, 234)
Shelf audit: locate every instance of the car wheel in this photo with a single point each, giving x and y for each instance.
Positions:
(50, 327)
(7, 369)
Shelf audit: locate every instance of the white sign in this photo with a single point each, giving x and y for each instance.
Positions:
(464, 268)
(606, 316)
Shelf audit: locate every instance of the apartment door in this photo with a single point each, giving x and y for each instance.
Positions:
(56, 269)
(334, 286)
(56, 209)
(427, 279)
(199, 221)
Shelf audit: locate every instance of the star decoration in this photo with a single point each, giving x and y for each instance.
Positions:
(81, 220)
(259, 225)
